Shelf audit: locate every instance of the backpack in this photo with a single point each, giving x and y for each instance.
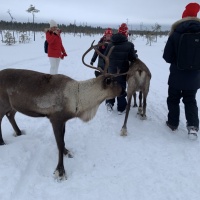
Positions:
(189, 52)
(46, 46)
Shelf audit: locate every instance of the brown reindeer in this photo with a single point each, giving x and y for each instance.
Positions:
(138, 79)
(57, 97)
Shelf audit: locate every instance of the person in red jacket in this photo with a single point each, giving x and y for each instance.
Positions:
(56, 51)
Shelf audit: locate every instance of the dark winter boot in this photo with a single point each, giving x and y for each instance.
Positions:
(173, 128)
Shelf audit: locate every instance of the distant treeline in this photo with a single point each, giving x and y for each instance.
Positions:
(71, 28)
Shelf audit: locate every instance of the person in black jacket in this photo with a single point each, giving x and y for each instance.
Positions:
(122, 53)
(105, 39)
(182, 83)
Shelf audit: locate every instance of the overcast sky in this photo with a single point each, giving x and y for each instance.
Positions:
(96, 12)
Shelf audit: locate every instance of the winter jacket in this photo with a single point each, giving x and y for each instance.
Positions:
(181, 79)
(55, 47)
(122, 53)
(102, 49)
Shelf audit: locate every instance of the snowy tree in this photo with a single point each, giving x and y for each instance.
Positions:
(12, 19)
(9, 39)
(156, 29)
(33, 10)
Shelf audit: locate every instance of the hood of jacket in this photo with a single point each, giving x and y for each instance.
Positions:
(188, 24)
(118, 38)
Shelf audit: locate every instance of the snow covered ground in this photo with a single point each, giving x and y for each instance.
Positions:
(151, 163)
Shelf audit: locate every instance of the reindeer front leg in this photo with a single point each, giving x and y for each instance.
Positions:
(124, 128)
(1, 138)
(58, 128)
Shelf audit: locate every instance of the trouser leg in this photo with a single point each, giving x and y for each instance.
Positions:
(54, 62)
(121, 101)
(191, 109)
(173, 101)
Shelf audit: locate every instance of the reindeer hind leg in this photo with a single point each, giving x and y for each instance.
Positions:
(143, 115)
(135, 101)
(124, 128)
(66, 151)
(11, 117)
(140, 108)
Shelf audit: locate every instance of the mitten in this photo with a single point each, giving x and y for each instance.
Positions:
(64, 54)
(136, 54)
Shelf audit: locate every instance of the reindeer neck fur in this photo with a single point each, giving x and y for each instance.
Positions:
(87, 107)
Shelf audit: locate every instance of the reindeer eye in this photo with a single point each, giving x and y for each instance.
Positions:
(108, 81)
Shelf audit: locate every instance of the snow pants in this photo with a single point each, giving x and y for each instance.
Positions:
(121, 101)
(190, 105)
(54, 62)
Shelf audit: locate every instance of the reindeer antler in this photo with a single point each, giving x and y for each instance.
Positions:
(106, 58)
(91, 47)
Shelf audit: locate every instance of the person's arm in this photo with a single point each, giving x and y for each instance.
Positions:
(95, 55)
(63, 51)
(133, 53)
(107, 49)
(169, 51)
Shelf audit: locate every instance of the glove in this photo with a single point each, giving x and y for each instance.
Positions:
(136, 56)
(91, 63)
(64, 54)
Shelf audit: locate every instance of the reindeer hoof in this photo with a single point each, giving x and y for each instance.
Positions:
(123, 132)
(68, 153)
(143, 117)
(60, 175)
(140, 111)
(16, 134)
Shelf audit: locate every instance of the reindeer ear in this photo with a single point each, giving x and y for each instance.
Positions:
(97, 73)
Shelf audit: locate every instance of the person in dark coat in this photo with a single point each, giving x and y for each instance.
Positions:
(105, 39)
(122, 53)
(182, 83)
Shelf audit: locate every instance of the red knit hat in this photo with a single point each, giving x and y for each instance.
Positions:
(123, 29)
(108, 31)
(191, 10)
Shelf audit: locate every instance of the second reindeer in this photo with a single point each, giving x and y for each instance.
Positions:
(138, 79)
